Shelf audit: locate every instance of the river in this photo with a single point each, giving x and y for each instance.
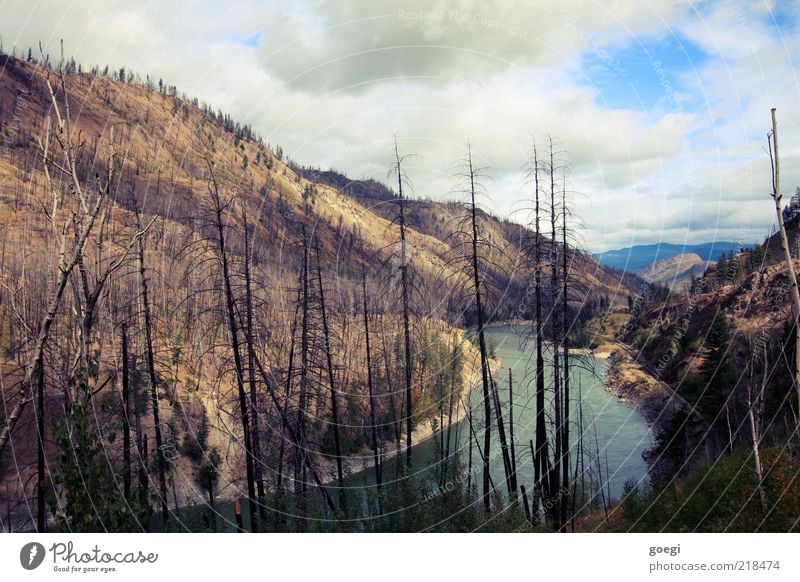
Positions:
(610, 427)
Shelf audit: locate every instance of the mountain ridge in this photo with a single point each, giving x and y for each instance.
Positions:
(638, 257)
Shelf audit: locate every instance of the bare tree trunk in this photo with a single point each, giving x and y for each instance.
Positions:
(126, 423)
(404, 291)
(218, 209)
(540, 454)
(289, 375)
(370, 387)
(334, 401)
(565, 446)
(511, 431)
(251, 372)
(794, 292)
(41, 510)
(487, 391)
(555, 475)
(299, 481)
(755, 411)
(450, 404)
(151, 370)
(296, 436)
(469, 462)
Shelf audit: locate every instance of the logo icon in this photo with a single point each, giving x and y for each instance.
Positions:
(31, 555)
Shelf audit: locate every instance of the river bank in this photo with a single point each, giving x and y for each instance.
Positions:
(635, 386)
(363, 460)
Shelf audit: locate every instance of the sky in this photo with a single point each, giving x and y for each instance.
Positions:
(660, 108)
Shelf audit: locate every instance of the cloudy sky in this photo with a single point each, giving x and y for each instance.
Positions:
(662, 105)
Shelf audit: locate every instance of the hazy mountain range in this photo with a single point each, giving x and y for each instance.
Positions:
(639, 257)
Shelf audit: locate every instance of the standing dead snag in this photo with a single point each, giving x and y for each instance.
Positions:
(476, 280)
(772, 142)
(511, 432)
(151, 370)
(370, 387)
(218, 208)
(300, 482)
(334, 401)
(555, 476)
(251, 372)
(126, 423)
(755, 413)
(404, 291)
(540, 455)
(565, 446)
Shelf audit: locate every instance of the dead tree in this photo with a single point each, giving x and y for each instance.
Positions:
(555, 475)
(565, 446)
(511, 432)
(540, 452)
(371, 389)
(772, 142)
(476, 280)
(126, 410)
(304, 348)
(401, 218)
(218, 208)
(151, 371)
(251, 371)
(755, 412)
(332, 382)
(287, 394)
(501, 433)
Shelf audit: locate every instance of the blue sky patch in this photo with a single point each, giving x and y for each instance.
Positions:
(644, 75)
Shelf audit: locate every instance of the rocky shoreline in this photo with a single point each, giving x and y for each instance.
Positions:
(633, 385)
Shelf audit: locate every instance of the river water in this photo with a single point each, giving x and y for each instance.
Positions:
(614, 434)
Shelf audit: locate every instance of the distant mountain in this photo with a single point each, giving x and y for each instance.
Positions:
(675, 271)
(639, 257)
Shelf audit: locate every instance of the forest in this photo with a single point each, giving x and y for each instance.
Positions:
(200, 334)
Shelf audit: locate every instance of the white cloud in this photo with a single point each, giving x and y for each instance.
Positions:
(331, 81)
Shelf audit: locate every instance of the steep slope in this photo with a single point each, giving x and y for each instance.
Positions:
(674, 271)
(720, 340)
(165, 149)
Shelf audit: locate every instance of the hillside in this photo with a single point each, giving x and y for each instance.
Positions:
(639, 257)
(718, 341)
(319, 236)
(674, 271)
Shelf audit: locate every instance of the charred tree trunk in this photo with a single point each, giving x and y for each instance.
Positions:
(511, 431)
(487, 391)
(151, 371)
(404, 292)
(501, 433)
(371, 388)
(540, 454)
(126, 410)
(555, 474)
(41, 510)
(219, 224)
(300, 484)
(332, 383)
(565, 446)
(251, 371)
(297, 437)
(287, 392)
